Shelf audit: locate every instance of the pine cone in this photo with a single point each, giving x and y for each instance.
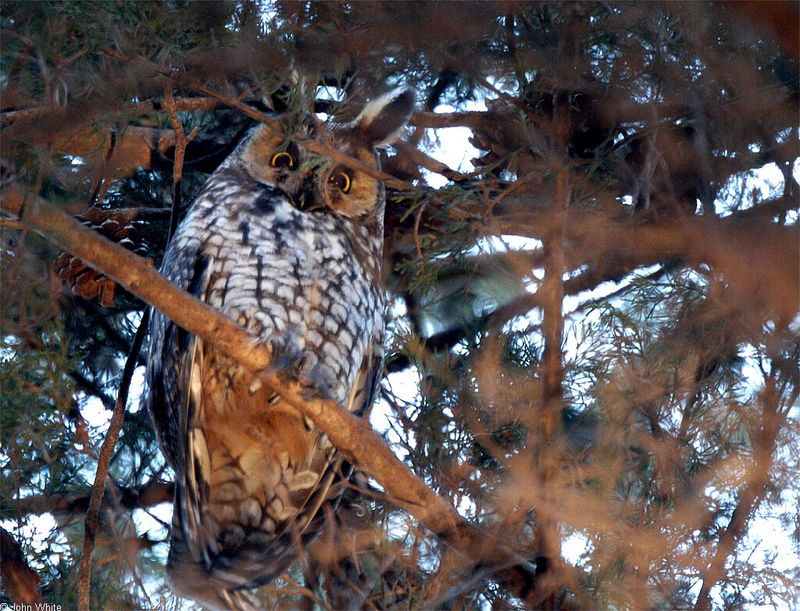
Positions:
(81, 279)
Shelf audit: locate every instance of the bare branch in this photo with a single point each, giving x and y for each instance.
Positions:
(429, 163)
(449, 119)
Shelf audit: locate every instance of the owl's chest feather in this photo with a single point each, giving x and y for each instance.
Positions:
(307, 279)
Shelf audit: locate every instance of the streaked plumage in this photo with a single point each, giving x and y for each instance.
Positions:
(289, 246)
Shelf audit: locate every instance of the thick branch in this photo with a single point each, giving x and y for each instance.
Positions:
(552, 296)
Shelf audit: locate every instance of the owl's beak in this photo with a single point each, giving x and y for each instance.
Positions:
(304, 194)
(304, 199)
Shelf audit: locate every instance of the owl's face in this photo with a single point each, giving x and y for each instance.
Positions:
(315, 183)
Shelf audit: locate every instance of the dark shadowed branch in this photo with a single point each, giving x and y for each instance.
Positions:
(68, 508)
(103, 463)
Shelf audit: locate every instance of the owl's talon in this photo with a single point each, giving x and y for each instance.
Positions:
(321, 379)
(286, 355)
(300, 365)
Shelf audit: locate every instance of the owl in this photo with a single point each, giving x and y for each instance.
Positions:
(288, 244)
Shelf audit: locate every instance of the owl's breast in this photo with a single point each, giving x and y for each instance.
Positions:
(293, 276)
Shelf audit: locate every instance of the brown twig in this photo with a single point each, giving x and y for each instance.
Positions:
(417, 218)
(181, 142)
(181, 139)
(103, 462)
(429, 163)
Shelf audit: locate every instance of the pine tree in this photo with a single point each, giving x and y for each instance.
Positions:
(599, 313)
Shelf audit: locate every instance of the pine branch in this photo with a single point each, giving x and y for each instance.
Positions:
(764, 271)
(752, 494)
(609, 249)
(311, 144)
(138, 108)
(65, 508)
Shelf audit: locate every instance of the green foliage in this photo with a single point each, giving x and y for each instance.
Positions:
(35, 439)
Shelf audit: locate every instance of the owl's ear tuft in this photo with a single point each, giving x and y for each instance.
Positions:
(382, 119)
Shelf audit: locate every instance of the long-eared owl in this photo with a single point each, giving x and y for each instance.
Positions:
(288, 244)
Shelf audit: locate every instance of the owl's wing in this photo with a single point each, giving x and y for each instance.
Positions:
(368, 380)
(175, 400)
(360, 400)
(171, 353)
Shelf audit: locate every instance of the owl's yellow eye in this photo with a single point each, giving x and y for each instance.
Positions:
(282, 159)
(340, 180)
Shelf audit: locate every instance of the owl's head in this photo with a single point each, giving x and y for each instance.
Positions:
(316, 183)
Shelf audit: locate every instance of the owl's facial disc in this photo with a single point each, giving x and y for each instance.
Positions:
(350, 192)
(312, 183)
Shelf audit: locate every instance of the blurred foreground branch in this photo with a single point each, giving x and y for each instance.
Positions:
(19, 580)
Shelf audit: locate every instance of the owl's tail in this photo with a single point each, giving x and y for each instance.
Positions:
(249, 493)
(190, 579)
